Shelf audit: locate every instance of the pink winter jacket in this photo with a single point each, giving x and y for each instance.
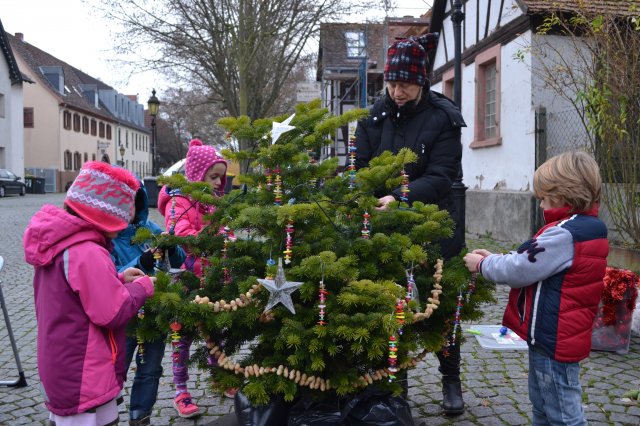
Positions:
(189, 221)
(82, 308)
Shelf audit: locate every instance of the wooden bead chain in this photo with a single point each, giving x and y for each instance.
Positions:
(175, 340)
(225, 248)
(172, 215)
(139, 339)
(322, 295)
(434, 300)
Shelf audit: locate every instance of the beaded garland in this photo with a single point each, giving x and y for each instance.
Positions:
(352, 162)
(288, 251)
(277, 187)
(461, 300)
(365, 225)
(175, 340)
(393, 358)
(172, 216)
(139, 339)
(410, 284)
(404, 187)
(269, 184)
(225, 247)
(322, 294)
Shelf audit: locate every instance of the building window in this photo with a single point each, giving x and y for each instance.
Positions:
(93, 157)
(109, 131)
(355, 44)
(77, 161)
(66, 120)
(487, 114)
(2, 105)
(76, 122)
(28, 118)
(447, 83)
(101, 130)
(67, 160)
(86, 157)
(93, 127)
(85, 125)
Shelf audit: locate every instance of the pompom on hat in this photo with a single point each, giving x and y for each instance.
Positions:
(103, 195)
(407, 59)
(201, 158)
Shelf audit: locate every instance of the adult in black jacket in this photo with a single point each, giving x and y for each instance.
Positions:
(410, 115)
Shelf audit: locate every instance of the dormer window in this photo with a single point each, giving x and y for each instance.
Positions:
(355, 44)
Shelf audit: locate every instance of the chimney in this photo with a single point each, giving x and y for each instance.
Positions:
(20, 36)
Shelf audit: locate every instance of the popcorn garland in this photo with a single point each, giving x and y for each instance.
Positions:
(352, 162)
(288, 251)
(404, 187)
(365, 225)
(277, 186)
(302, 379)
(233, 305)
(434, 300)
(462, 298)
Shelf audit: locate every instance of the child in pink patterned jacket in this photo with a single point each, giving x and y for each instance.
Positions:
(185, 217)
(82, 303)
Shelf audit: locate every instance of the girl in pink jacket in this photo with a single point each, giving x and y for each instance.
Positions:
(185, 217)
(82, 303)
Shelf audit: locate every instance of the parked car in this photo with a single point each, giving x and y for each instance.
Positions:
(10, 184)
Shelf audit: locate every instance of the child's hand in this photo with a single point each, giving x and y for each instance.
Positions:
(153, 280)
(482, 252)
(471, 261)
(132, 274)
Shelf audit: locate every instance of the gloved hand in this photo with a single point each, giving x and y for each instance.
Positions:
(147, 261)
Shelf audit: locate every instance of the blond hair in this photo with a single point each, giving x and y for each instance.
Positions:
(571, 178)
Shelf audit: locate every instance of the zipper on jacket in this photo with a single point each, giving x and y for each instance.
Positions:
(114, 347)
(534, 314)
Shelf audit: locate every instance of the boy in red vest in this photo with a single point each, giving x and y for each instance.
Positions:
(556, 281)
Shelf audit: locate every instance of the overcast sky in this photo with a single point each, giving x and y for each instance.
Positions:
(71, 31)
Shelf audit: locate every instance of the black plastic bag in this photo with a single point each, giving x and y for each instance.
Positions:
(273, 414)
(311, 412)
(375, 407)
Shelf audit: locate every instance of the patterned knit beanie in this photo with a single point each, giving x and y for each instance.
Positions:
(103, 195)
(407, 59)
(201, 158)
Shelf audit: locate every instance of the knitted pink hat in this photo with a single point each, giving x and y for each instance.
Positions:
(201, 158)
(103, 195)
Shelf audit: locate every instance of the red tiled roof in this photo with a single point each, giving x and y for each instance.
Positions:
(608, 7)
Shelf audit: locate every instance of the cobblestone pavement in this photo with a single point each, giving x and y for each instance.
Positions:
(494, 382)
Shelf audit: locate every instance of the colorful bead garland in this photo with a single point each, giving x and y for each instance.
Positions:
(352, 162)
(267, 173)
(365, 226)
(322, 294)
(461, 300)
(277, 187)
(288, 251)
(404, 187)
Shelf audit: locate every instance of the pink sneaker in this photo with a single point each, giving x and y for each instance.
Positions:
(185, 407)
(231, 392)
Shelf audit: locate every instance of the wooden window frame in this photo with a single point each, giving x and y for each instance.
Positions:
(101, 130)
(68, 160)
(66, 120)
(85, 125)
(483, 60)
(28, 118)
(76, 122)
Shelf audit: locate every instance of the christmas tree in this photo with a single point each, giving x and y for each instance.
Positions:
(327, 293)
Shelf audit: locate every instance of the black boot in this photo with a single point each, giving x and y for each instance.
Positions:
(452, 401)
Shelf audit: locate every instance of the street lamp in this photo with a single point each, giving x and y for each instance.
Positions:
(122, 151)
(153, 104)
(458, 187)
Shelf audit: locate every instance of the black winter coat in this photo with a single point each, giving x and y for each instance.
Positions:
(431, 129)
